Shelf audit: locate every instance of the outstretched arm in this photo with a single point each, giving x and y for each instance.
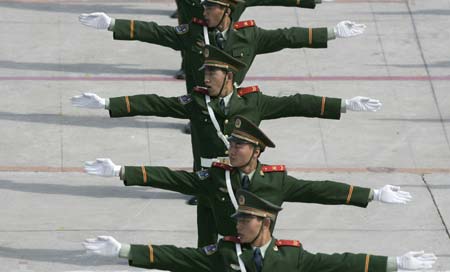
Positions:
(158, 177)
(333, 193)
(350, 262)
(124, 106)
(298, 37)
(163, 257)
(306, 105)
(149, 32)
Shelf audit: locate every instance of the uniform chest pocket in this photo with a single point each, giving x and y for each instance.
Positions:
(241, 52)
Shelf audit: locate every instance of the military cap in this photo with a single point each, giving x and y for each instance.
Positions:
(215, 57)
(225, 3)
(247, 132)
(251, 204)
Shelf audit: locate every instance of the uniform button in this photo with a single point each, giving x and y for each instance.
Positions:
(223, 198)
(226, 152)
(226, 135)
(226, 121)
(206, 120)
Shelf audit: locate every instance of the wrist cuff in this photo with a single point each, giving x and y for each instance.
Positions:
(124, 251)
(111, 25)
(331, 33)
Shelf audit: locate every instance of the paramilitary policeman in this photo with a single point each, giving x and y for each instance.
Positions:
(212, 110)
(243, 40)
(188, 9)
(244, 171)
(253, 250)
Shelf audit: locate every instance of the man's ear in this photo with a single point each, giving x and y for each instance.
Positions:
(267, 222)
(230, 75)
(257, 152)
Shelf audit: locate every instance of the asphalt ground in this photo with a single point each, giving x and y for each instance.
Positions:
(49, 206)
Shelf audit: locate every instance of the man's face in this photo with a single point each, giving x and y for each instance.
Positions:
(240, 153)
(213, 14)
(248, 228)
(214, 78)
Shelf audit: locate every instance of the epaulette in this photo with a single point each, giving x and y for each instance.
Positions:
(201, 90)
(273, 168)
(244, 24)
(222, 165)
(293, 243)
(233, 239)
(198, 21)
(246, 90)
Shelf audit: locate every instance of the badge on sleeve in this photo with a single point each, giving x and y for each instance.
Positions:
(210, 250)
(185, 99)
(203, 174)
(182, 29)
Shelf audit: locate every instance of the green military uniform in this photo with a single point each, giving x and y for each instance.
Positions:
(280, 255)
(269, 182)
(244, 41)
(249, 102)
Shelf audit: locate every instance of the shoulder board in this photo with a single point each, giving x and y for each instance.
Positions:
(222, 165)
(246, 90)
(293, 243)
(198, 21)
(273, 168)
(233, 239)
(244, 24)
(201, 90)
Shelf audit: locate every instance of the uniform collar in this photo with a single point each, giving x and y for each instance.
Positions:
(264, 248)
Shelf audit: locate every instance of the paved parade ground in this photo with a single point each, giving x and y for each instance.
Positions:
(49, 206)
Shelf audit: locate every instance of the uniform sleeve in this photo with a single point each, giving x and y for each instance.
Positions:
(149, 32)
(295, 37)
(164, 178)
(285, 3)
(324, 192)
(151, 104)
(346, 262)
(273, 107)
(170, 258)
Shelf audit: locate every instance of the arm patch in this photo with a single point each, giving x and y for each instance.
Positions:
(182, 29)
(210, 250)
(202, 174)
(185, 99)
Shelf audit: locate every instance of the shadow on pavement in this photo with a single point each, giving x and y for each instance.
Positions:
(94, 191)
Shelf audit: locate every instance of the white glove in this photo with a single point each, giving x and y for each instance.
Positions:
(102, 245)
(88, 100)
(361, 103)
(347, 29)
(97, 20)
(391, 194)
(415, 260)
(102, 167)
